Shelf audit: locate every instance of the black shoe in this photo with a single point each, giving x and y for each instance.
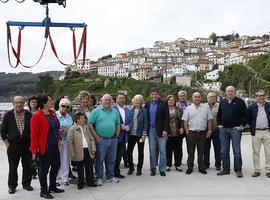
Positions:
(119, 176)
(80, 187)
(126, 165)
(218, 168)
(139, 172)
(130, 171)
(162, 174)
(152, 173)
(203, 171)
(74, 168)
(11, 190)
(28, 188)
(46, 195)
(189, 171)
(91, 185)
(178, 168)
(56, 190)
(71, 176)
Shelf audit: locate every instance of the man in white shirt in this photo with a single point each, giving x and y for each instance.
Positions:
(197, 118)
(125, 122)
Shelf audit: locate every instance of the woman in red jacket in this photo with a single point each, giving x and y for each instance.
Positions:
(44, 142)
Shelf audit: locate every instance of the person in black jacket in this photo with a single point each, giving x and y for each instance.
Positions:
(231, 117)
(15, 132)
(158, 127)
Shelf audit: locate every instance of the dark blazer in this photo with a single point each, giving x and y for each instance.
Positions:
(252, 115)
(123, 134)
(162, 117)
(142, 122)
(10, 131)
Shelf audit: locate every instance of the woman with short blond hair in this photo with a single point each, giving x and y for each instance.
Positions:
(137, 133)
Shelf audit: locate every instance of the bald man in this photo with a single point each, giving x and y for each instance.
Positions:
(198, 125)
(231, 117)
(104, 124)
(15, 132)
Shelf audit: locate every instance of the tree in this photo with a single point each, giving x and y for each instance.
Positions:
(44, 83)
(213, 37)
(105, 57)
(237, 36)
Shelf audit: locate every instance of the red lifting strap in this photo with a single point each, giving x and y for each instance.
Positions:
(75, 54)
(17, 53)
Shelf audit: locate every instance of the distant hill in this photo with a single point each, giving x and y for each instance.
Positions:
(24, 83)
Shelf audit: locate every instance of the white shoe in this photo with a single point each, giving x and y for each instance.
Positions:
(99, 182)
(112, 180)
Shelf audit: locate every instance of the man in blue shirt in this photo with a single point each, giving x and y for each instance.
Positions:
(158, 127)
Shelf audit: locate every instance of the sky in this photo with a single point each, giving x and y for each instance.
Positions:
(116, 26)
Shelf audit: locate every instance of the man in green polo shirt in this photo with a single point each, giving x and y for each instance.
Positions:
(107, 127)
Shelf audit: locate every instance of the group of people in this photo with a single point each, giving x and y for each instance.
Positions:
(94, 136)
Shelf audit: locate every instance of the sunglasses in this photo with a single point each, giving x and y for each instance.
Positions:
(64, 106)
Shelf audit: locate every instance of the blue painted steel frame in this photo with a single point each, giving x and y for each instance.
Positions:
(47, 24)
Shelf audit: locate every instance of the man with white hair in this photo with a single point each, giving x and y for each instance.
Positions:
(106, 121)
(15, 132)
(213, 106)
(231, 117)
(259, 121)
(182, 104)
(198, 125)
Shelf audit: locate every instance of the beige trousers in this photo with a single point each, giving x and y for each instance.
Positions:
(261, 138)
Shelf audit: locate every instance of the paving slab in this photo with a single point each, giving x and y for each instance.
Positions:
(176, 185)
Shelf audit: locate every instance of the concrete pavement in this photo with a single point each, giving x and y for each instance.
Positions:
(176, 185)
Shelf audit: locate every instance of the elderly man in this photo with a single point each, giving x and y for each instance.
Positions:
(231, 117)
(106, 121)
(213, 106)
(197, 119)
(182, 104)
(125, 121)
(259, 121)
(15, 132)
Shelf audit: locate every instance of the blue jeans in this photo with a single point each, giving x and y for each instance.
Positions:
(227, 134)
(154, 140)
(207, 146)
(106, 151)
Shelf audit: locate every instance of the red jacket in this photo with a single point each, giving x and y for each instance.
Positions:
(39, 131)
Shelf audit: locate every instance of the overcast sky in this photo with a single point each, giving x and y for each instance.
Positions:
(116, 26)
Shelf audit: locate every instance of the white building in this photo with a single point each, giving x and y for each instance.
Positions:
(233, 58)
(183, 80)
(214, 86)
(220, 43)
(213, 75)
(107, 70)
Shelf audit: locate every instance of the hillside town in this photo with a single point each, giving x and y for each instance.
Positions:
(180, 58)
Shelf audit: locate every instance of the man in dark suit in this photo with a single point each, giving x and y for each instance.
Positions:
(125, 122)
(158, 119)
(15, 132)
